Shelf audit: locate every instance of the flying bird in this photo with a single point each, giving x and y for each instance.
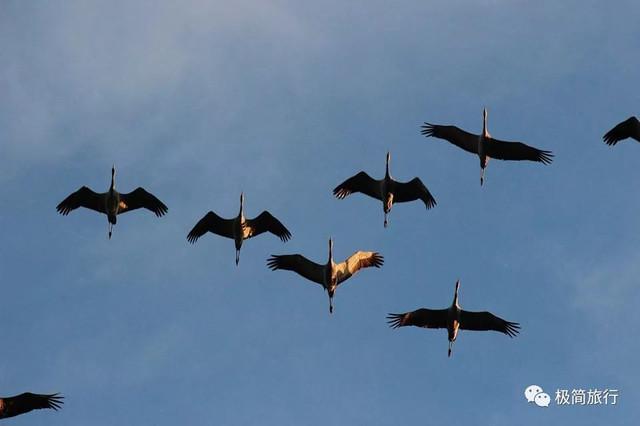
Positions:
(630, 128)
(15, 405)
(387, 190)
(111, 203)
(486, 146)
(454, 318)
(329, 275)
(239, 228)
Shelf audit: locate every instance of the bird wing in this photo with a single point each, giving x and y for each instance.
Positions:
(630, 128)
(502, 150)
(83, 197)
(266, 222)
(482, 321)
(25, 402)
(357, 261)
(140, 198)
(211, 222)
(453, 134)
(427, 318)
(413, 190)
(360, 182)
(297, 263)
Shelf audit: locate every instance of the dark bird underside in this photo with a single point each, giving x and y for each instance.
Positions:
(264, 222)
(85, 197)
(500, 150)
(402, 191)
(437, 318)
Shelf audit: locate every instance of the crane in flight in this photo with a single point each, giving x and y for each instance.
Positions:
(453, 319)
(485, 146)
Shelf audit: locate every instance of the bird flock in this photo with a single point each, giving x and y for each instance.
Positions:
(330, 274)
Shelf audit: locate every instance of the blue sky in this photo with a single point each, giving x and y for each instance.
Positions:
(198, 101)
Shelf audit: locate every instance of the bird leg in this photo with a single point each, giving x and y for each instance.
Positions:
(481, 176)
(110, 229)
(449, 352)
(330, 304)
(237, 257)
(385, 219)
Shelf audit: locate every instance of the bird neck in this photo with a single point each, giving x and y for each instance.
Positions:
(485, 131)
(112, 188)
(455, 298)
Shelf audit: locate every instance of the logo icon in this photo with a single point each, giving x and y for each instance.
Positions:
(535, 394)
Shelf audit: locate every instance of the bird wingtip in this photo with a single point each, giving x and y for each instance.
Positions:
(272, 262)
(427, 129)
(394, 320)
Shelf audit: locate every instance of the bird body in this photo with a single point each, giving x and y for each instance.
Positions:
(453, 319)
(111, 203)
(387, 190)
(239, 228)
(330, 280)
(329, 275)
(20, 404)
(485, 146)
(483, 141)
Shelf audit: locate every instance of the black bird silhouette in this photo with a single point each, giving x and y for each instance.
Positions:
(454, 318)
(486, 146)
(387, 190)
(111, 203)
(239, 228)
